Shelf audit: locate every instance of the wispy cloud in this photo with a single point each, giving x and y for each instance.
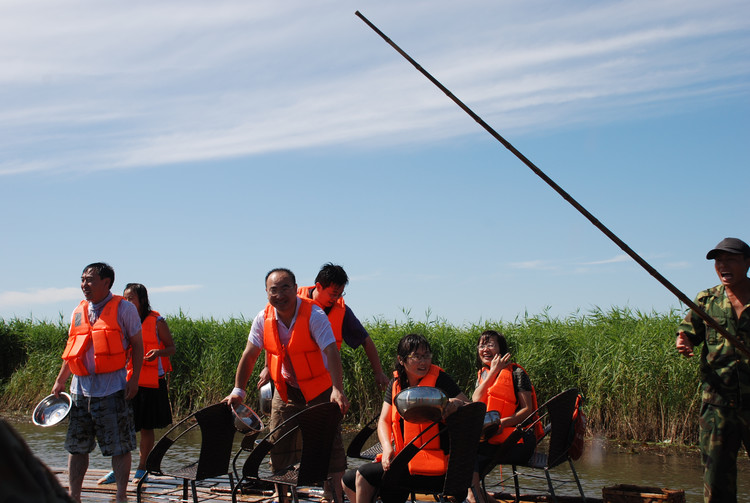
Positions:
(120, 85)
(614, 260)
(41, 296)
(52, 295)
(540, 265)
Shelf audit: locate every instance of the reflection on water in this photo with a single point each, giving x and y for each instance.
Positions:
(598, 467)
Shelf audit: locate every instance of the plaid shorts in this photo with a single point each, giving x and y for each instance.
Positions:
(108, 420)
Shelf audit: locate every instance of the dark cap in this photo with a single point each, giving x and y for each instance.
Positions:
(730, 245)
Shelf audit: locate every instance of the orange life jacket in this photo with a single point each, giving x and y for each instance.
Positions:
(105, 334)
(431, 460)
(306, 357)
(149, 377)
(335, 315)
(501, 396)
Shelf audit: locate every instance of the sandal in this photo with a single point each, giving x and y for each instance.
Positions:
(107, 479)
(140, 474)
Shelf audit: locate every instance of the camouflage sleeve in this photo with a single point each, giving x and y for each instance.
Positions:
(693, 325)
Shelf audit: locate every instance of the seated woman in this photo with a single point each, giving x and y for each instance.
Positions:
(505, 387)
(413, 368)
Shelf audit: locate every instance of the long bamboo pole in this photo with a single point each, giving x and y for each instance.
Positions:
(653, 272)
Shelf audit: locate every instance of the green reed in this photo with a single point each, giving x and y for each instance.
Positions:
(622, 361)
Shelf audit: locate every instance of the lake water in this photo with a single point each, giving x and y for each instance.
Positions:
(600, 466)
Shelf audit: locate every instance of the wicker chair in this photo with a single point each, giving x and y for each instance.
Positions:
(356, 448)
(464, 428)
(318, 425)
(217, 429)
(557, 414)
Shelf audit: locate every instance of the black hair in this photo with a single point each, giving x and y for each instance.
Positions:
(406, 346)
(331, 274)
(104, 271)
(142, 294)
(280, 269)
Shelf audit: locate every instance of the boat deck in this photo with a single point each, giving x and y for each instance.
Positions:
(169, 489)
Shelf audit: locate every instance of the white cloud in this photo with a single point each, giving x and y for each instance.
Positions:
(41, 296)
(95, 85)
(540, 265)
(614, 260)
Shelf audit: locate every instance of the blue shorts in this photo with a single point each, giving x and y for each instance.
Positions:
(107, 420)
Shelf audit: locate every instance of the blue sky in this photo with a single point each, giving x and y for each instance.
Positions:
(196, 145)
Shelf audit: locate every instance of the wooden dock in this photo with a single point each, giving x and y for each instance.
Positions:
(168, 489)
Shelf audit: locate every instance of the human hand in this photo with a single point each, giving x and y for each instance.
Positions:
(57, 388)
(131, 388)
(388, 456)
(684, 345)
(452, 406)
(381, 380)
(232, 399)
(151, 355)
(340, 399)
(263, 377)
(498, 363)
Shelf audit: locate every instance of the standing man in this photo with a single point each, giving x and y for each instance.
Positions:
(328, 293)
(104, 329)
(287, 328)
(725, 371)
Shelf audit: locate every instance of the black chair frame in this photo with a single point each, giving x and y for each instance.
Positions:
(216, 424)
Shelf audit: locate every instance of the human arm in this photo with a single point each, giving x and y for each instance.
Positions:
(336, 370)
(165, 336)
(384, 435)
(372, 354)
(264, 376)
(62, 379)
(136, 356)
(523, 410)
(497, 364)
(244, 370)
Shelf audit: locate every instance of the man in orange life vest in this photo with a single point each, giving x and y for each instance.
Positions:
(102, 329)
(328, 293)
(292, 329)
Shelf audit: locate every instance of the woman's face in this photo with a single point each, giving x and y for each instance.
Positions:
(131, 297)
(487, 350)
(417, 363)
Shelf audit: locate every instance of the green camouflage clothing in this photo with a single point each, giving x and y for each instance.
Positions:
(725, 376)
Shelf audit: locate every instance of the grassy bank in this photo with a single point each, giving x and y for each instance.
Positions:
(623, 362)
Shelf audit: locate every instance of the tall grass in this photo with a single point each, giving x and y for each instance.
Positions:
(622, 361)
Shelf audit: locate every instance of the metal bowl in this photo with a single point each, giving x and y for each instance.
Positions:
(246, 420)
(266, 394)
(491, 424)
(52, 410)
(421, 404)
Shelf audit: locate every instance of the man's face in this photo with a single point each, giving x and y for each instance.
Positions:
(731, 268)
(94, 288)
(328, 296)
(281, 291)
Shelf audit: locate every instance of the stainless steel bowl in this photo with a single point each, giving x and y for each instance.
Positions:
(266, 394)
(246, 420)
(421, 404)
(52, 410)
(491, 424)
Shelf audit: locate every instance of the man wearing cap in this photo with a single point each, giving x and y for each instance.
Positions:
(725, 371)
